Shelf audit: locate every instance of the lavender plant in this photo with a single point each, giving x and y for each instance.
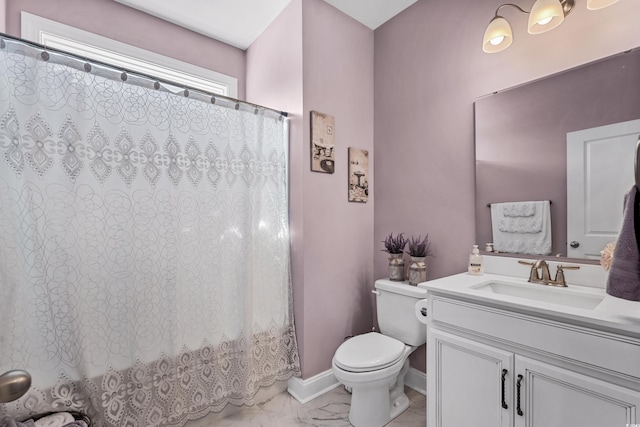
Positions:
(419, 247)
(394, 245)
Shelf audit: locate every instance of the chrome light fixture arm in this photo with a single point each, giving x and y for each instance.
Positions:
(509, 4)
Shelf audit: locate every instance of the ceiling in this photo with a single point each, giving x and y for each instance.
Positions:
(240, 22)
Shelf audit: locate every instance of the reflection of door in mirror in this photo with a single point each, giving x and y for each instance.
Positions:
(600, 171)
(521, 136)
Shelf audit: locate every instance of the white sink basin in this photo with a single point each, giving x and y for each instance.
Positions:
(569, 297)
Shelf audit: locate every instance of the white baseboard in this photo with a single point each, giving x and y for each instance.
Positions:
(416, 380)
(306, 390)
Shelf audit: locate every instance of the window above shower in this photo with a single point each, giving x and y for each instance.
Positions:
(60, 36)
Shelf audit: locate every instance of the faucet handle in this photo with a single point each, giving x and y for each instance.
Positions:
(568, 267)
(559, 280)
(533, 275)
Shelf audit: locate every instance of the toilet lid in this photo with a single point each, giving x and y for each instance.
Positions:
(368, 352)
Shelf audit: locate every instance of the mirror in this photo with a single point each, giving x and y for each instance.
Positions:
(521, 136)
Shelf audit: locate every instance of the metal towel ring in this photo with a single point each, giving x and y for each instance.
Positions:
(13, 384)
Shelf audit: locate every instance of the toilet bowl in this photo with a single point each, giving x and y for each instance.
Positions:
(374, 364)
(376, 380)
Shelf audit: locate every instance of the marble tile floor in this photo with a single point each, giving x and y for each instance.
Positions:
(328, 410)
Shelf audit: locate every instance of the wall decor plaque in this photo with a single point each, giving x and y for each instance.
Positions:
(322, 143)
(358, 175)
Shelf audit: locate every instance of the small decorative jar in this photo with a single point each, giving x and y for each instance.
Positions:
(396, 267)
(417, 270)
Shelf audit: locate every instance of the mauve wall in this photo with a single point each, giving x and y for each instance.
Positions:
(338, 235)
(429, 69)
(119, 22)
(331, 239)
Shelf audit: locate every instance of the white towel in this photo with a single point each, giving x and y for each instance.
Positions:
(519, 217)
(58, 419)
(518, 208)
(525, 234)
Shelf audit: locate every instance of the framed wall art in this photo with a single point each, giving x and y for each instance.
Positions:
(322, 143)
(358, 175)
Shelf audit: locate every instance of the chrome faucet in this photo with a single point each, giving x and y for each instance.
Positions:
(542, 265)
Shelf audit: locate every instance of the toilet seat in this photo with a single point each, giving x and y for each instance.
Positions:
(369, 352)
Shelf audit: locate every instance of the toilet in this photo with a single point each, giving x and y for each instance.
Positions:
(374, 364)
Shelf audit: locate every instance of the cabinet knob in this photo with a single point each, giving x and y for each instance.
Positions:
(574, 244)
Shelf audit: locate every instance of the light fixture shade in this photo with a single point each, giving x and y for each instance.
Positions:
(545, 15)
(498, 35)
(599, 4)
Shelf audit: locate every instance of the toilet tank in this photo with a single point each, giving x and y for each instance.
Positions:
(395, 303)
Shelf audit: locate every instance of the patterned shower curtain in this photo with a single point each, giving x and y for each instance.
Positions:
(144, 244)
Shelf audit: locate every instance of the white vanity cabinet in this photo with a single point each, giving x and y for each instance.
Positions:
(465, 382)
(491, 366)
(556, 396)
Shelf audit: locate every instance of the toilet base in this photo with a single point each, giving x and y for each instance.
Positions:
(400, 405)
(388, 395)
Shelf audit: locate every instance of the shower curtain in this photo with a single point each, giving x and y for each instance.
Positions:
(144, 244)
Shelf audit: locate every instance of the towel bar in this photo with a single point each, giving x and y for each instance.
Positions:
(550, 202)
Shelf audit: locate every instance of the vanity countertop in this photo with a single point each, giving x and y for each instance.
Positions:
(611, 314)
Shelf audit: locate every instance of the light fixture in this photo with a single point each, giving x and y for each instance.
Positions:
(545, 15)
(498, 35)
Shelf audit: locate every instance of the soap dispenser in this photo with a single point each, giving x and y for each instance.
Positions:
(475, 262)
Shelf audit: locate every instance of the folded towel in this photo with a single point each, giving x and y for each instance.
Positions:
(519, 217)
(524, 235)
(624, 275)
(520, 224)
(519, 209)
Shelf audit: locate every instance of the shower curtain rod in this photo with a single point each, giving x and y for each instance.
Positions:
(156, 79)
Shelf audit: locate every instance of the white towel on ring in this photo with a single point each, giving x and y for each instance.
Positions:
(58, 419)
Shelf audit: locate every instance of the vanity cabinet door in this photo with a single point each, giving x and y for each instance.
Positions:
(468, 383)
(556, 397)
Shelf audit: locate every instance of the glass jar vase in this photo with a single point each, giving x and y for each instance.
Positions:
(396, 267)
(417, 270)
